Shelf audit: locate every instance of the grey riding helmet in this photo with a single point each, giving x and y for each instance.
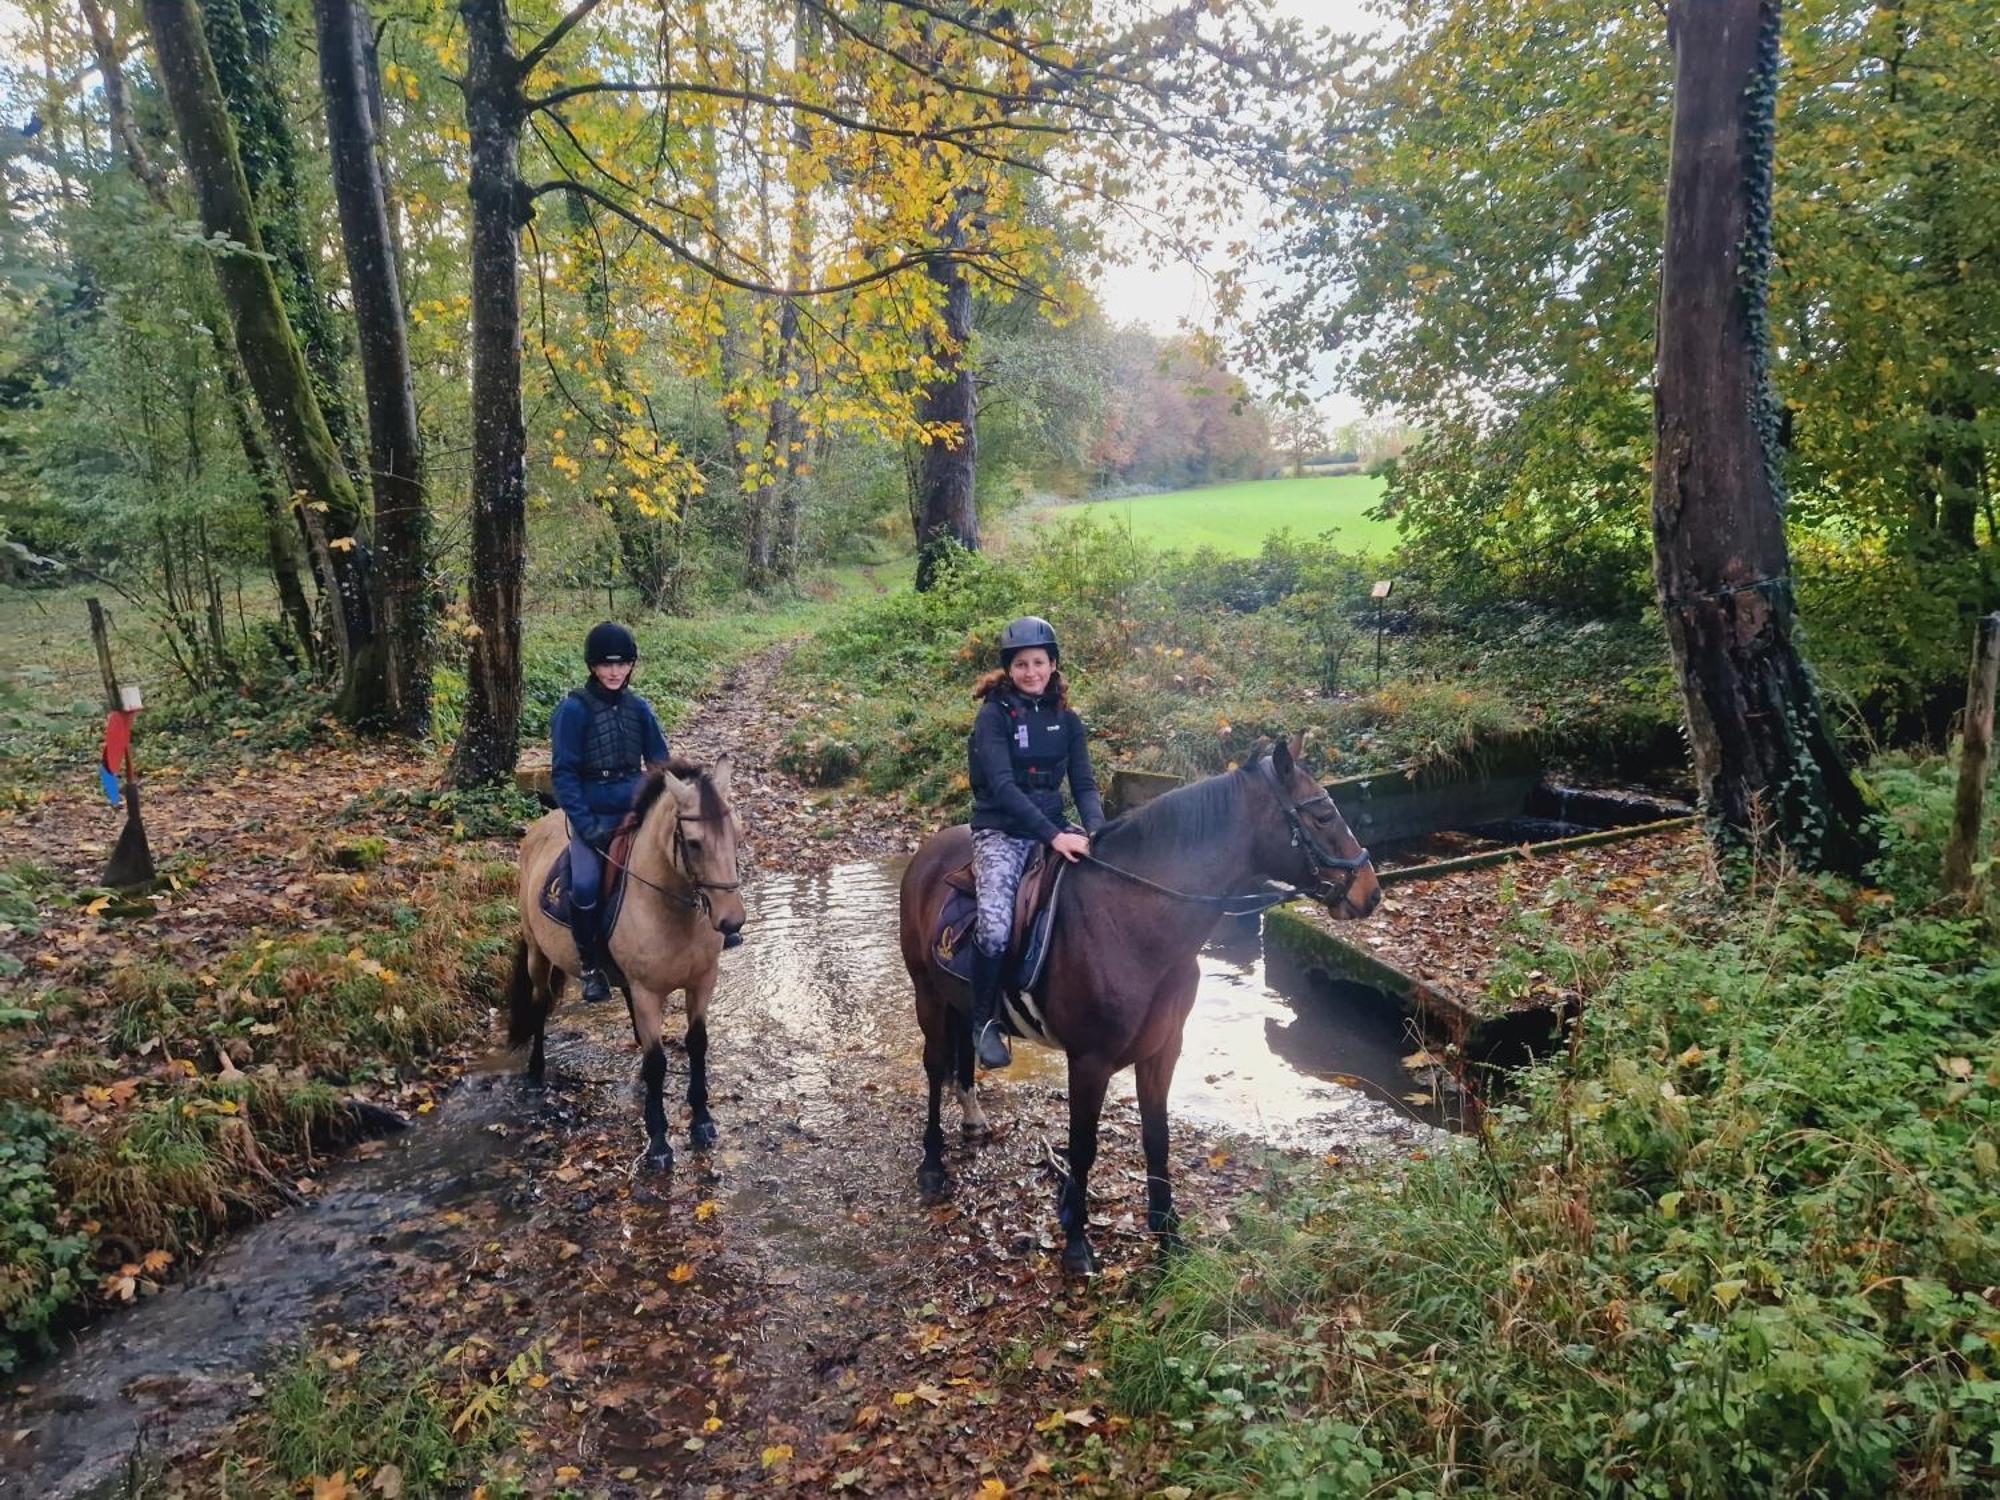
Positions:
(1029, 630)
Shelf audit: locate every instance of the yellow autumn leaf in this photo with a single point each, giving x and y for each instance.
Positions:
(706, 1210)
(776, 1454)
(681, 1272)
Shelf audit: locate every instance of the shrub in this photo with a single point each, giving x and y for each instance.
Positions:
(42, 1266)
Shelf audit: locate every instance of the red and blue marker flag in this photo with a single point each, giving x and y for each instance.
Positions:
(117, 742)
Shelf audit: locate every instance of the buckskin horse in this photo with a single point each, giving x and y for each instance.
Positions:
(682, 897)
(1120, 976)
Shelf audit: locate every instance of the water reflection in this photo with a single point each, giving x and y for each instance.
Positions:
(1292, 1061)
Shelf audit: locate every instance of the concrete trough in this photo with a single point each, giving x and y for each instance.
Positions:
(1494, 807)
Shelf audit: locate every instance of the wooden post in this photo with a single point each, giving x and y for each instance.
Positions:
(131, 862)
(1975, 753)
(100, 635)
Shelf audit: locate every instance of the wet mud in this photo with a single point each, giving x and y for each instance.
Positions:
(782, 1293)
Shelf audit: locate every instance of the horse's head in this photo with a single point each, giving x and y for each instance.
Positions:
(1307, 843)
(704, 838)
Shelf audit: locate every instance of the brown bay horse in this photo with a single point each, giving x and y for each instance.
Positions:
(682, 896)
(1121, 972)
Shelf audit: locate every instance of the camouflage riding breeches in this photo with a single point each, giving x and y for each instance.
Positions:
(997, 862)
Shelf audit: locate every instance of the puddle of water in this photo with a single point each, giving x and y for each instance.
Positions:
(1306, 1066)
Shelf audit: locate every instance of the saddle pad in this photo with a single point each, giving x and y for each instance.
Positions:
(555, 890)
(1027, 952)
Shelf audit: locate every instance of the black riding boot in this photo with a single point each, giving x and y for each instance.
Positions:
(989, 1042)
(583, 926)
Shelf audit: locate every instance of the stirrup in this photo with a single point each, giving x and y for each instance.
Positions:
(596, 988)
(989, 1046)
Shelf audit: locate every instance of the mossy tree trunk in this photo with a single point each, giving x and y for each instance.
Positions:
(272, 359)
(1770, 770)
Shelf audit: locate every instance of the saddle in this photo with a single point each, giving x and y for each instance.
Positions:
(611, 898)
(1034, 917)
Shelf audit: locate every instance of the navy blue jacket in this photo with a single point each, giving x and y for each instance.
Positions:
(1021, 751)
(603, 743)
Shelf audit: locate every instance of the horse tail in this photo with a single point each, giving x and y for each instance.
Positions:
(524, 1016)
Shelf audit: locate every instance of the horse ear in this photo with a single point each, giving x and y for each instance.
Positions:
(1281, 758)
(1298, 747)
(674, 787)
(718, 777)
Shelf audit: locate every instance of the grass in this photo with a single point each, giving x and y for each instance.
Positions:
(1234, 519)
(332, 1416)
(146, 1115)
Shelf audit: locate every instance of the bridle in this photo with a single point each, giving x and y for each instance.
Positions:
(1302, 839)
(684, 866)
(1317, 857)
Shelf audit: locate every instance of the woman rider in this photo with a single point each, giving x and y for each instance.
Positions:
(604, 737)
(1025, 740)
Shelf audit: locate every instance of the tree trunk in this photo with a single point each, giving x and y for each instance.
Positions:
(271, 503)
(784, 448)
(490, 742)
(946, 513)
(240, 35)
(270, 353)
(256, 457)
(1769, 768)
(395, 450)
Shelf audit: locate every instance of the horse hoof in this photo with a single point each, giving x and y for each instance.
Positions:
(702, 1134)
(934, 1186)
(658, 1162)
(1078, 1259)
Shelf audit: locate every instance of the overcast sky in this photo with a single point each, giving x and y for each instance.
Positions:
(1166, 298)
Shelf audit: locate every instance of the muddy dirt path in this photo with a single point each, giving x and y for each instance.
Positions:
(778, 1314)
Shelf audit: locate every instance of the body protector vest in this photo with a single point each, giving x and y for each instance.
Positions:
(1038, 745)
(614, 738)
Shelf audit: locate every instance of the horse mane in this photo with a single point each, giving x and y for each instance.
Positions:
(655, 784)
(1186, 815)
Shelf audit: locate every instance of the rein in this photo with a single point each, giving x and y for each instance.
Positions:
(1228, 906)
(685, 867)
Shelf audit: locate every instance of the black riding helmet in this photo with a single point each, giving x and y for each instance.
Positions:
(1029, 630)
(609, 643)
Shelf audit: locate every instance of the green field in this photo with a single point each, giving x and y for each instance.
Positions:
(1235, 518)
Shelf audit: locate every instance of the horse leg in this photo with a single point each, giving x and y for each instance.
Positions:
(972, 1119)
(701, 1128)
(1155, 1077)
(648, 1024)
(541, 999)
(1087, 1082)
(939, 1028)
